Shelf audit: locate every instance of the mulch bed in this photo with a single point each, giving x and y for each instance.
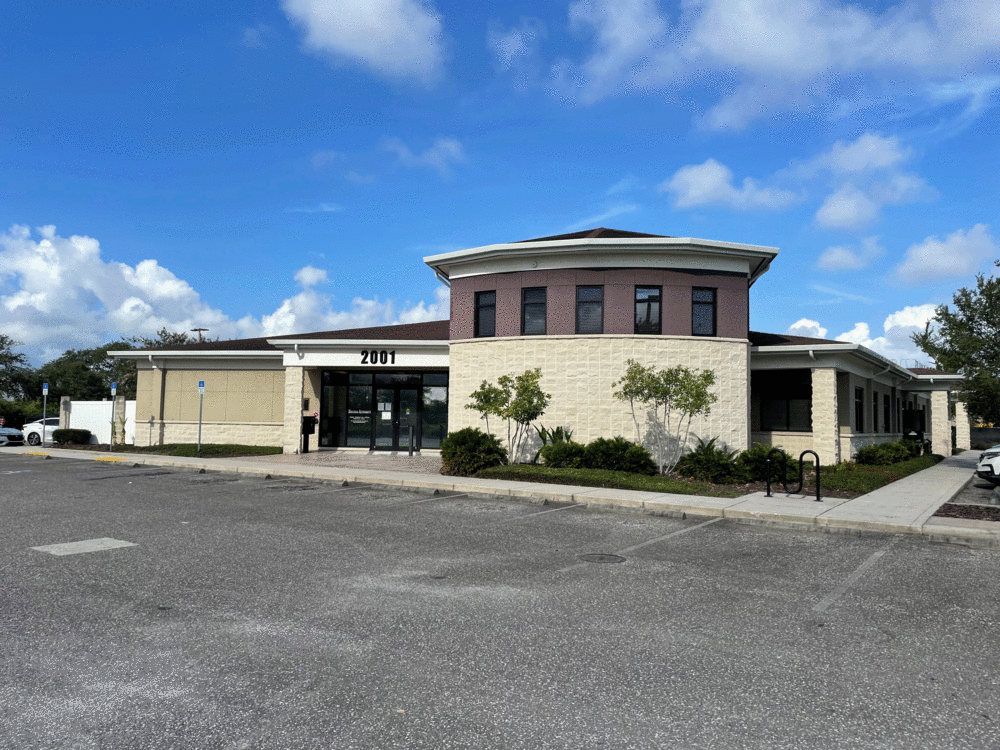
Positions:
(972, 512)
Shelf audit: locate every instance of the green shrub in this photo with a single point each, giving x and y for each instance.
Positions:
(709, 463)
(468, 451)
(550, 436)
(863, 479)
(915, 448)
(885, 454)
(564, 455)
(71, 436)
(752, 464)
(618, 454)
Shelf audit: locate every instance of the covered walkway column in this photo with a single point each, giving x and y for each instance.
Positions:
(292, 430)
(826, 433)
(963, 435)
(939, 424)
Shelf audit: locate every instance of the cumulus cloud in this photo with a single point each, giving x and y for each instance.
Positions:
(895, 342)
(511, 47)
(766, 55)
(853, 207)
(960, 253)
(805, 327)
(440, 156)
(840, 258)
(59, 293)
(397, 38)
(869, 151)
(712, 183)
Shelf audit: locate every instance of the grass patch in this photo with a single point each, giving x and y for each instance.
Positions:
(846, 480)
(189, 450)
(620, 480)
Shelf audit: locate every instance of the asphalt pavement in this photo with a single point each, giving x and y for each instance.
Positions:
(158, 607)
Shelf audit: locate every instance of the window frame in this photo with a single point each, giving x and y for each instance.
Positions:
(580, 302)
(544, 309)
(713, 306)
(479, 306)
(659, 311)
(859, 410)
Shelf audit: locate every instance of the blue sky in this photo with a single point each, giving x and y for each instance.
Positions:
(274, 167)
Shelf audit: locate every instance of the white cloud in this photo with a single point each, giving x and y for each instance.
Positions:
(398, 38)
(852, 207)
(959, 254)
(440, 156)
(768, 55)
(512, 47)
(599, 219)
(256, 37)
(61, 294)
(805, 327)
(869, 151)
(712, 183)
(841, 258)
(895, 343)
(321, 208)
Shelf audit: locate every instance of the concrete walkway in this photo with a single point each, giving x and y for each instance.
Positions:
(904, 507)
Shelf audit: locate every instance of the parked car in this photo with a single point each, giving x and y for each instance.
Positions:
(988, 467)
(10, 436)
(33, 430)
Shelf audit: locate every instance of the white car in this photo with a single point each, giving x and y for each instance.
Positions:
(33, 431)
(988, 467)
(10, 436)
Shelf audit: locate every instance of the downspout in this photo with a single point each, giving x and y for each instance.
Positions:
(441, 278)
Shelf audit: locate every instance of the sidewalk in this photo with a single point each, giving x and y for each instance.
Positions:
(904, 507)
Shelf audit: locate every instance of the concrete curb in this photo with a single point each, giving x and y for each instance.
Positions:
(871, 513)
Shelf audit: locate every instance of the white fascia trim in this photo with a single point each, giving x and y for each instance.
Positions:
(204, 354)
(856, 349)
(522, 252)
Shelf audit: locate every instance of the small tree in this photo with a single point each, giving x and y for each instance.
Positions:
(672, 398)
(518, 399)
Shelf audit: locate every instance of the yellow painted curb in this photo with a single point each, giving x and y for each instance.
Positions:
(111, 459)
(36, 453)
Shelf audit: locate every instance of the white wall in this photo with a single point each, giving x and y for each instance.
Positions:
(96, 417)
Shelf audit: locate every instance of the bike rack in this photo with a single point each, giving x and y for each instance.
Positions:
(784, 472)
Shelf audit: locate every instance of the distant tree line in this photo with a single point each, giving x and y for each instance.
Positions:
(81, 374)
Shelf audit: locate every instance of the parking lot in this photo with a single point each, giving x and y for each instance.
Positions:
(255, 613)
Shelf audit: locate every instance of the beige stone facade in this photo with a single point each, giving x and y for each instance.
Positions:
(243, 403)
(579, 372)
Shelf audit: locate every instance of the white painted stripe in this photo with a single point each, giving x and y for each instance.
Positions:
(852, 578)
(633, 548)
(542, 513)
(88, 545)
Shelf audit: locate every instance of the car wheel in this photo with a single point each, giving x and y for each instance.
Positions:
(33, 439)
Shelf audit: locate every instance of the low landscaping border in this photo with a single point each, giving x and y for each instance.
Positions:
(187, 450)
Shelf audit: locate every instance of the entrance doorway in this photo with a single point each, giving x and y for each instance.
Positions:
(377, 410)
(396, 424)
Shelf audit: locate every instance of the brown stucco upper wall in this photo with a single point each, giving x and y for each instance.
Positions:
(619, 296)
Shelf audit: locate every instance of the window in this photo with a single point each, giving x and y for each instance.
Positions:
(647, 309)
(859, 410)
(887, 412)
(874, 412)
(590, 309)
(533, 311)
(702, 312)
(486, 314)
(785, 398)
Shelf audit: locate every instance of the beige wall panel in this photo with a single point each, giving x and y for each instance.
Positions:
(249, 407)
(578, 372)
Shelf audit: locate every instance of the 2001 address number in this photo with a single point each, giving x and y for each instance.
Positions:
(378, 357)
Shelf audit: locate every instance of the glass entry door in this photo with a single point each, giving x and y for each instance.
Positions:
(395, 414)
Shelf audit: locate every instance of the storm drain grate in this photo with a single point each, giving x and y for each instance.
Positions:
(598, 557)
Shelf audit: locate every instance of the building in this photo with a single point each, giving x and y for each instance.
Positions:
(578, 306)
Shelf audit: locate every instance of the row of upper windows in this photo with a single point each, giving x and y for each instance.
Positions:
(590, 311)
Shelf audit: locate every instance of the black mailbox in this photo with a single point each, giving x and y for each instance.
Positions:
(309, 425)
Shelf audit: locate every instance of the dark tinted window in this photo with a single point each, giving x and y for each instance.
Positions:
(533, 311)
(486, 314)
(647, 309)
(590, 309)
(702, 312)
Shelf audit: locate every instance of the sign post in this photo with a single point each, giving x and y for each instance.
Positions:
(111, 443)
(201, 403)
(45, 409)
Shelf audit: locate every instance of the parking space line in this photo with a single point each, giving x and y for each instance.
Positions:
(658, 539)
(87, 545)
(853, 577)
(429, 499)
(543, 512)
